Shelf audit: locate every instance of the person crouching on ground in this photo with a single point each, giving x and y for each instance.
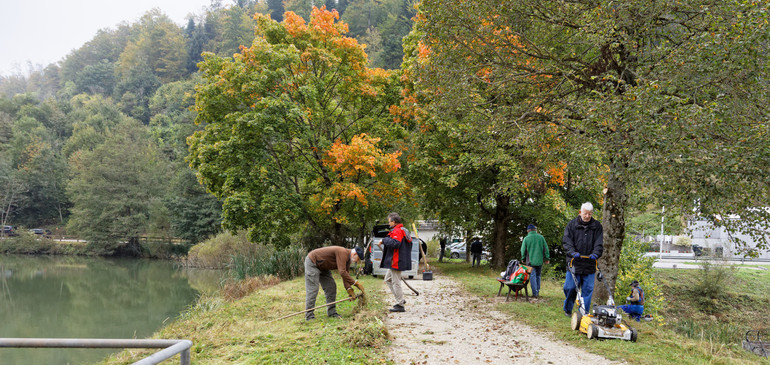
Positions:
(582, 237)
(635, 308)
(396, 257)
(318, 266)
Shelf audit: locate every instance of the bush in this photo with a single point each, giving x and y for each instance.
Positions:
(683, 241)
(711, 285)
(216, 252)
(635, 266)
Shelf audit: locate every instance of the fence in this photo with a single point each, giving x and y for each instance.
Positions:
(170, 347)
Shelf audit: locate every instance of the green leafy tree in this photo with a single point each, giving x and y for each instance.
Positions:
(114, 189)
(98, 78)
(272, 115)
(157, 43)
(659, 89)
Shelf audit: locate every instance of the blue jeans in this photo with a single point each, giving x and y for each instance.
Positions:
(634, 311)
(586, 283)
(534, 279)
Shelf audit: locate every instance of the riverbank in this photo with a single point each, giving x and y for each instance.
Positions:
(240, 332)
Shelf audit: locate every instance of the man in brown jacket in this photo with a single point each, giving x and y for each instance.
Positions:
(318, 266)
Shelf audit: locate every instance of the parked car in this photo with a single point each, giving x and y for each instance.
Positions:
(457, 250)
(41, 232)
(9, 231)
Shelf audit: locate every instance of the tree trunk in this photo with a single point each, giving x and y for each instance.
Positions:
(501, 218)
(614, 224)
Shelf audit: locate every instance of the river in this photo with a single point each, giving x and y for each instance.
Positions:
(77, 297)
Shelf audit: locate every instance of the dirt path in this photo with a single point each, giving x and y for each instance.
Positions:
(446, 325)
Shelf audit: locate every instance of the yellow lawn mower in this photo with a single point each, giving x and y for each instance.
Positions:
(604, 321)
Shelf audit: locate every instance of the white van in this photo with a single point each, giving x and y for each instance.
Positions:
(374, 256)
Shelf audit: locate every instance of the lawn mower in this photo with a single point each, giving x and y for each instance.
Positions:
(604, 321)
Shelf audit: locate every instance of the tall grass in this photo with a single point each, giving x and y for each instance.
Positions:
(726, 333)
(265, 261)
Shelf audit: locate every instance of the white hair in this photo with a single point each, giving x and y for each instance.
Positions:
(587, 206)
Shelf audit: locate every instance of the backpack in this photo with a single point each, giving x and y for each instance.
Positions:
(512, 266)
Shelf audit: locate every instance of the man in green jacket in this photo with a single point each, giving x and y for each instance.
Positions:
(534, 252)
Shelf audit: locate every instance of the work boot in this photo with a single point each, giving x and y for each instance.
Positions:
(335, 315)
(309, 318)
(568, 314)
(397, 308)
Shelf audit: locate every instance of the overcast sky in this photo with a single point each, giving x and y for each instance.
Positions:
(44, 31)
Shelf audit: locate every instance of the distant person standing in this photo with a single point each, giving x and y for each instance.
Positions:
(396, 257)
(442, 242)
(582, 237)
(476, 249)
(534, 252)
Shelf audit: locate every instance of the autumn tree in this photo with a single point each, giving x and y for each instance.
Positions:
(279, 118)
(668, 93)
(470, 175)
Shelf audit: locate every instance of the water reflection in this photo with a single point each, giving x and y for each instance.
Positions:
(75, 297)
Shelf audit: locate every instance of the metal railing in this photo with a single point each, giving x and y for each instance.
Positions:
(170, 347)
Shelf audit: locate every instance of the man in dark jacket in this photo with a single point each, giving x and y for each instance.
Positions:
(476, 249)
(442, 243)
(318, 266)
(396, 257)
(582, 237)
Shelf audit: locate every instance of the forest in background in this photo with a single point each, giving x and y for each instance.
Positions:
(95, 144)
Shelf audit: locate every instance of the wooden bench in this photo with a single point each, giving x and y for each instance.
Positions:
(515, 288)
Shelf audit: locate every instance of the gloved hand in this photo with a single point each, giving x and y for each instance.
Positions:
(351, 293)
(592, 257)
(575, 255)
(628, 299)
(359, 286)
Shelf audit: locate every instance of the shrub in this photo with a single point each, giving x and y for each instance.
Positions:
(216, 252)
(635, 266)
(710, 285)
(683, 241)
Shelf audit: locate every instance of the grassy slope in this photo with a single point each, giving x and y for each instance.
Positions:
(656, 345)
(238, 333)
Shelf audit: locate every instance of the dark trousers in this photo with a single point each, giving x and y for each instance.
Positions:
(476, 258)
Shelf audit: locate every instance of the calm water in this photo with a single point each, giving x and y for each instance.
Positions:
(73, 297)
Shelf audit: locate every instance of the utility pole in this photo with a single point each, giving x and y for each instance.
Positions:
(662, 218)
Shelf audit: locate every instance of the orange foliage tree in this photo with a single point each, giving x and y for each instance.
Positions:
(283, 145)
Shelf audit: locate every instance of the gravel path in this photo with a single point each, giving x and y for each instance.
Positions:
(446, 325)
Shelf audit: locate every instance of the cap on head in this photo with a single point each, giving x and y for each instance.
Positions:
(360, 252)
(531, 227)
(634, 283)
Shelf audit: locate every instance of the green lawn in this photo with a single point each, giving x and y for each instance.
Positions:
(658, 342)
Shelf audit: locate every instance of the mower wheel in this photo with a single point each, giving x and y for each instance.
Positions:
(576, 318)
(593, 331)
(633, 335)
